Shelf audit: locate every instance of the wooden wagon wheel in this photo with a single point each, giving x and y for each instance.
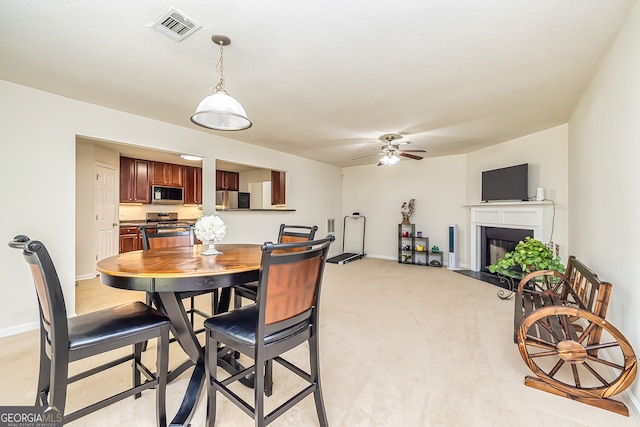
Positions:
(543, 280)
(549, 335)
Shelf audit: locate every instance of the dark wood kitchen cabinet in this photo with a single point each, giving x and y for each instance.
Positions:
(192, 185)
(226, 180)
(166, 174)
(135, 183)
(130, 239)
(278, 187)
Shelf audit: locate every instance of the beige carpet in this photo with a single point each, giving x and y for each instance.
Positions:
(401, 345)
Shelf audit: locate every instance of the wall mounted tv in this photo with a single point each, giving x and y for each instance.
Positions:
(510, 183)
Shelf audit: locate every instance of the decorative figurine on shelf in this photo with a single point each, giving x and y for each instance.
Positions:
(406, 259)
(407, 210)
(419, 234)
(435, 249)
(406, 247)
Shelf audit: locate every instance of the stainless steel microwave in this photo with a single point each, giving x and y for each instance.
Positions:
(163, 195)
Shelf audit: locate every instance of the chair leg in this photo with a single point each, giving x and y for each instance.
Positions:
(59, 379)
(192, 312)
(149, 302)
(211, 366)
(237, 300)
(314, 363)
(258, 390)
(268, 377)
(214, 302)
(162, 371)
(44, 375)
(137, 357)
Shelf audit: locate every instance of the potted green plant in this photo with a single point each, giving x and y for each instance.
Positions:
(529, 255)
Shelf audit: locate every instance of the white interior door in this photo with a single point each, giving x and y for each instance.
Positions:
(106, 209)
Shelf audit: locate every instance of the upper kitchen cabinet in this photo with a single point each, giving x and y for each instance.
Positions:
(166, 174)
(278, 187)
(135, 183)
(192, 185)
(226, 180)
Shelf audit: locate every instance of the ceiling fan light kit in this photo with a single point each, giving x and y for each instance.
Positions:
(389, 159)
(391, 151)
(219, 110)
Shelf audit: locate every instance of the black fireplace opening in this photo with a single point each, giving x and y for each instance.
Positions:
(495, 242)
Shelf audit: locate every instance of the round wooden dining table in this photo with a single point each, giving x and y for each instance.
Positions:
(168, 273)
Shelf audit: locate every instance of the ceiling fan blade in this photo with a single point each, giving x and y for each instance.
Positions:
(413, 151)
(368, 155)
(410, 156)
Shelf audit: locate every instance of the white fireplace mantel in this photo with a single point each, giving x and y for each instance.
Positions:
(535, 216)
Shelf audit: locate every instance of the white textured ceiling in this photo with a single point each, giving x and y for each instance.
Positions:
(325, 79)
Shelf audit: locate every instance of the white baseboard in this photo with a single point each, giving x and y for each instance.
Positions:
(86, 276)
(635, 404)
(382, 257)
(18, 329)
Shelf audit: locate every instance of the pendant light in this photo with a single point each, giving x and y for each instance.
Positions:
(219, 110)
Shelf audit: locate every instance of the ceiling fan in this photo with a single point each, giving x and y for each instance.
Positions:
(391, 151)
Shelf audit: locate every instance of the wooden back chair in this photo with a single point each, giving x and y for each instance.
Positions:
(64, 340)
(296, 233)
(286, 234)
(285, 316)
(154, 237)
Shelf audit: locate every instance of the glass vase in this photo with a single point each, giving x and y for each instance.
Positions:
(208, 248)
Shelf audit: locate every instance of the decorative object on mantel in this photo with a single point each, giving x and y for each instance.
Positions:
(219, 110)
(210, 229)
(407, 210)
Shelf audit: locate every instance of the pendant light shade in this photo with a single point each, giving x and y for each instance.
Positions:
(219, 110)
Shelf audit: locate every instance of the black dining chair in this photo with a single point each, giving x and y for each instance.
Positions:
(64, 340)
(168, 236)
(286, 234)
(284, 316)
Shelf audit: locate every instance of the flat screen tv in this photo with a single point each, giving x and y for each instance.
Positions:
(510, 183)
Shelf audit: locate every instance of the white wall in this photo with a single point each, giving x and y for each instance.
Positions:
(442, 186)
(87, 156)
(38, 167)
(604, 176)
(377, 192)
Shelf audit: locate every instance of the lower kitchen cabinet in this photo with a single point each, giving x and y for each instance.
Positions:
(130, 239)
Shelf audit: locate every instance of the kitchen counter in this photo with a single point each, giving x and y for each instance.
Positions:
(255, 210)
(139, 222)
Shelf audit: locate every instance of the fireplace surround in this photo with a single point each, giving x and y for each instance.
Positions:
(527, 218)
(495, 242)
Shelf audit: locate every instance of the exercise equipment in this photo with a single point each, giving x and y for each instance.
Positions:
(346, 257)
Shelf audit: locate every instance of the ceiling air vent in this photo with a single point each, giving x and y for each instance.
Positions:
(175, 24)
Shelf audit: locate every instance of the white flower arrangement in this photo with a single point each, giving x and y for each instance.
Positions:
(210, 228)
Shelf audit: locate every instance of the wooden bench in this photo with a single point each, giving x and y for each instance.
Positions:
(562, 335)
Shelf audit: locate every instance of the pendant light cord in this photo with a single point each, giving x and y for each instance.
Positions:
(220, 67)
